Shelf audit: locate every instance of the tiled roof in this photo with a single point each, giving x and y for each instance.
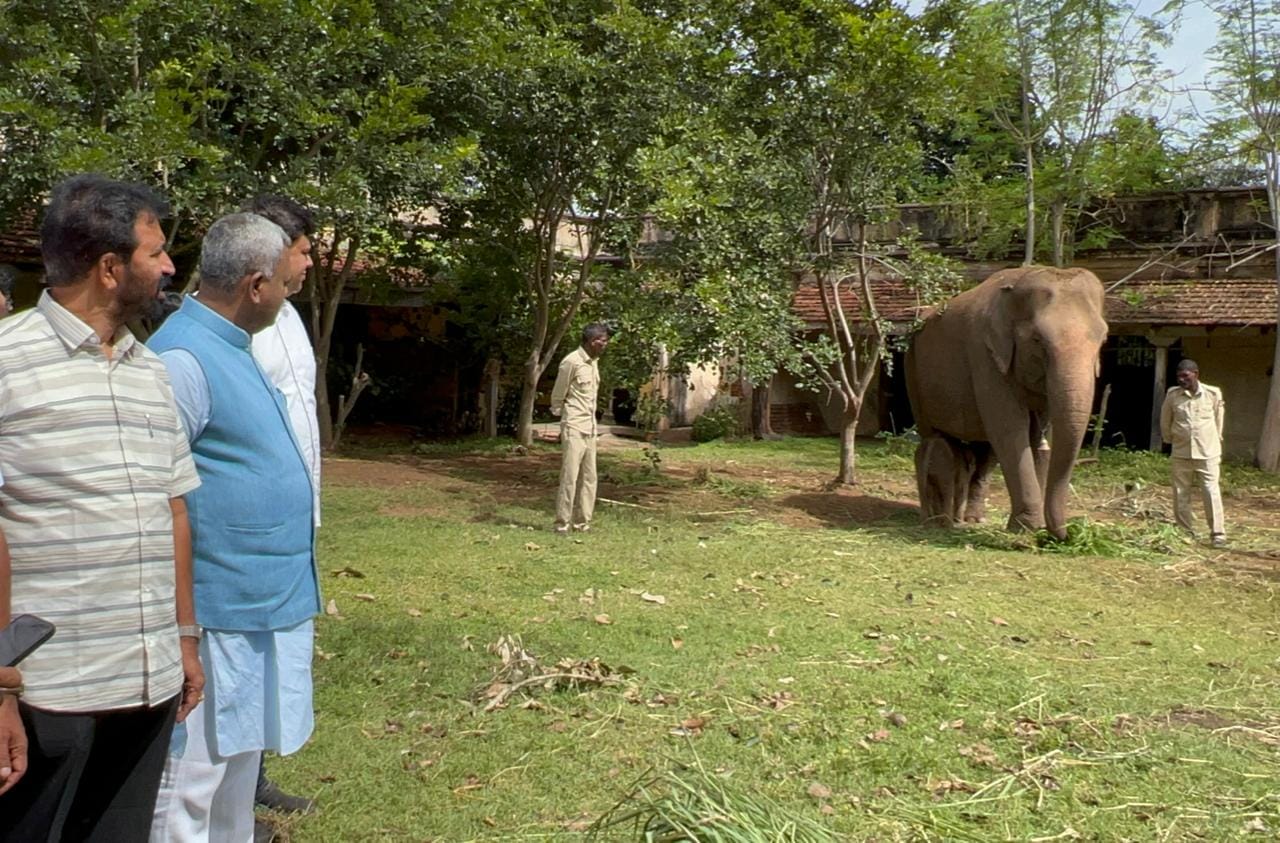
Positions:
(893, 299)
(1199, 302)
(1223, 301)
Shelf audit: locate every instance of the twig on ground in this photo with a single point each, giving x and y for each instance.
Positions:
(624, 503)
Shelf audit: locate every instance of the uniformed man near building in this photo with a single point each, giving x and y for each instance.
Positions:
(1191, 419)
(573, 399)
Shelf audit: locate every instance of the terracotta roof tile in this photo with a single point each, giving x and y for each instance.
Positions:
(893, 299)
(1200, 302)
(1222, 301)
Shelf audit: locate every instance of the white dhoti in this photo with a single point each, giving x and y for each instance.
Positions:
(257, 696)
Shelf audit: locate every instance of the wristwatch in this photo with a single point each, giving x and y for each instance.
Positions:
(190, 630)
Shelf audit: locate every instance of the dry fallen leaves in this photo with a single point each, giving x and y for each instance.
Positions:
(348, 571)
(690, 727)
(980, 755)
(653, 598)
(603, 620)
(367, 598)
(819, 791)
(331, 609)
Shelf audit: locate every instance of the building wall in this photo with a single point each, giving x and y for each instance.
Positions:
(795, 410)
(693, 393)
(1240, 366)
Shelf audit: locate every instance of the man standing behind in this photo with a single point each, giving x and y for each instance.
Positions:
(6, 292)
(1191, 419)
(284, 352)
(573, 398)
(95, 465)
(255, 580)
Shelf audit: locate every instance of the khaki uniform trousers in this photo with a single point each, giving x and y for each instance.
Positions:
(577, 479)
(1191, 476)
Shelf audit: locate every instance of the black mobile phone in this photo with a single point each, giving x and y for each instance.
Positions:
(23, 634)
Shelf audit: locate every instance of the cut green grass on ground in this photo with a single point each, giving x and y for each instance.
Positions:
(734, 643)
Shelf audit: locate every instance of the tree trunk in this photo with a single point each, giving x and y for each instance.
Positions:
(489, 396)
(326, 295)
(1059, 217)
(1268, 451)
(528, 396)
(761, 403)
(848, 475)
(1028, 153)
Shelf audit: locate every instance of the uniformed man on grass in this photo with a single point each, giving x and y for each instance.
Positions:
(1191, 419)
(573, 399)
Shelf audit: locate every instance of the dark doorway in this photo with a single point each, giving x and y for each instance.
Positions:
(1128, 365)
(895, 406)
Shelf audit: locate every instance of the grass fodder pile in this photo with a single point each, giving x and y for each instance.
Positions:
(687, 803)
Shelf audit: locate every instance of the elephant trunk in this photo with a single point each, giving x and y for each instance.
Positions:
(1070, 402)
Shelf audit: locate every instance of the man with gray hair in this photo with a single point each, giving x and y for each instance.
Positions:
(256, 589)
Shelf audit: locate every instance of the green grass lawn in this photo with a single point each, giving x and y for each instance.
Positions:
(818, 650)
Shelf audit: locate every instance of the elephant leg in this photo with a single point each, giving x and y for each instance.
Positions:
(961, 479)
(975, 510)
(1039, 433)
(1010, 430)
(924, 489)
(933, 480)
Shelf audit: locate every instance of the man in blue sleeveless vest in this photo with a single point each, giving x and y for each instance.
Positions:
(256, 590)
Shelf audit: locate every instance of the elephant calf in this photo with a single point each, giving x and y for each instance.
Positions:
(1000, 364)
(951, 478)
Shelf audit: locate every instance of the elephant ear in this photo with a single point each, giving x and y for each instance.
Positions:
(999, 329)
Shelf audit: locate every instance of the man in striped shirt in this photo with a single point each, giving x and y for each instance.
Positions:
(95, 467)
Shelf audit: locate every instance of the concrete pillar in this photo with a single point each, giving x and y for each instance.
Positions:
(1158, 388)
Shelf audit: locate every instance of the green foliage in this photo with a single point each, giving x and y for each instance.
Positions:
(715, 422)
(1083, 69)
(651, 409)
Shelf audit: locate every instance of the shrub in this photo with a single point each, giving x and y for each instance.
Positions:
(715, 423)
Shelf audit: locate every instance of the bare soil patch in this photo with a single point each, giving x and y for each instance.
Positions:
(383, 473)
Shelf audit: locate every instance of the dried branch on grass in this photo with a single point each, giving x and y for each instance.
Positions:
(521, 671)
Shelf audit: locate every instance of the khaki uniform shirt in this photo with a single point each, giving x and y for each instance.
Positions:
(573, 398)
(1193, 422)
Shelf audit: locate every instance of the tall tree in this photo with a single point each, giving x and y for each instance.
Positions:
(1246, 86)
(340, 103)
(843, 90)
(1054, 75)
(573, 91)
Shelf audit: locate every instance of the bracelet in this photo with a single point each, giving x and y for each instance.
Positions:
(190, 630)
(14, 691)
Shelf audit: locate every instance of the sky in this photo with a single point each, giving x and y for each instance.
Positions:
(1187, 56)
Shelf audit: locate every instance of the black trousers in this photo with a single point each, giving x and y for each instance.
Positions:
(90, 777)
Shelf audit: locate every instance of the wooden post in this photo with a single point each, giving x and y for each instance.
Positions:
(1101, 421)
(1157, 388)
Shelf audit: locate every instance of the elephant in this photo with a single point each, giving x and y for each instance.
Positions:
(952, 479)
(1001, 364)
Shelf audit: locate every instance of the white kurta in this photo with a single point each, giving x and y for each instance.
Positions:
(284, 352)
